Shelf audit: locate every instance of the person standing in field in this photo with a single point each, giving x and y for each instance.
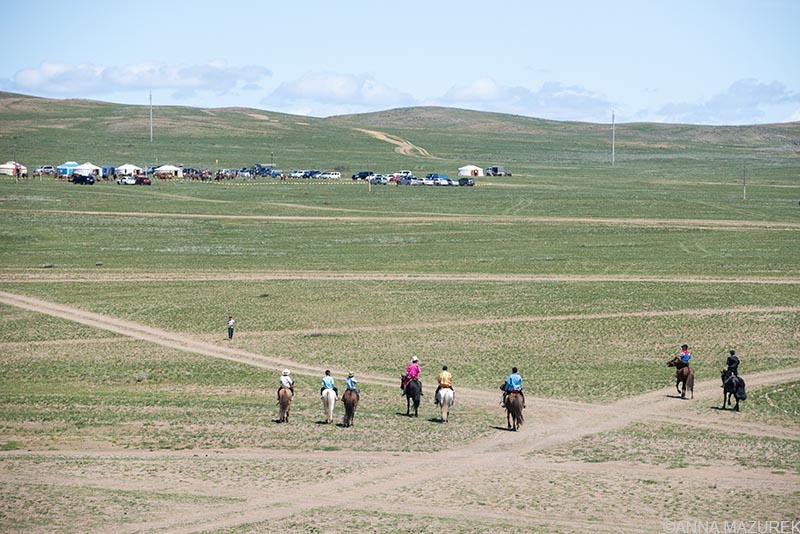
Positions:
(231, 322)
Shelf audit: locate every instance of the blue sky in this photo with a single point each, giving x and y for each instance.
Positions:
(699, 61)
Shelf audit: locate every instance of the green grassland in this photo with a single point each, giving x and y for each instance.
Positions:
(586, 276)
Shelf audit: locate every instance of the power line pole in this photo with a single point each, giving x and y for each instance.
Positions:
(613, 137)
(744, 183)
(151, 116)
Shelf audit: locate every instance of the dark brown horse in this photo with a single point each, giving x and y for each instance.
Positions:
(285, 396)
(683, 377)
(350, 400)
(514, 406)
(412, 392)
(732, 386)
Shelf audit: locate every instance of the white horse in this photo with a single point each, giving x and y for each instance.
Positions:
(445, 398)
(328, 402)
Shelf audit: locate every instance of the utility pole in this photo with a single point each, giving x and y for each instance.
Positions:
(151, 116)
(744, 183)
(613, 137)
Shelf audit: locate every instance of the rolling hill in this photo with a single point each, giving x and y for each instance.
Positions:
(39, 130)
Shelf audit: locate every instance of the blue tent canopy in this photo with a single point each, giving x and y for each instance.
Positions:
(66, 169)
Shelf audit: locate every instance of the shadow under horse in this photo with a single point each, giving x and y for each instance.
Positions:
(732, 386)
(412, 392)
(684, 378)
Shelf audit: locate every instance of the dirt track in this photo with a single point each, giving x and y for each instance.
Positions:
(550, 423)
(404, 147)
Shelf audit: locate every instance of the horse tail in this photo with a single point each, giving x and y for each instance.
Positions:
(690, 382)
(741, 394)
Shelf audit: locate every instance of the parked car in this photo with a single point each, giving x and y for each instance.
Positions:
(403, 173)
(380, 179)
(151, 169)
(497, 170)
(44, 169)
(409, 179)
(466, 181)
(142, 180)
(436, 179)
(82, 179)
(297, 173)
(312, 174)
(452, 181)
(126, 180)
(329, 175)
(363, 175)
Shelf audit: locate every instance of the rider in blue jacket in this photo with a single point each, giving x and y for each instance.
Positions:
(513, 383)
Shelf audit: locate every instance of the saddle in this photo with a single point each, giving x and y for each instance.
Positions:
(406, 380)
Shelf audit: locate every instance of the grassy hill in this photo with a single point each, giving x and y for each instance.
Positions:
(39, 131)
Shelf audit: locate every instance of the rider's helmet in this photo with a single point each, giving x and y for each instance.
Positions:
(444, 368)
(351, 373)
(285, 372)
(414, 359)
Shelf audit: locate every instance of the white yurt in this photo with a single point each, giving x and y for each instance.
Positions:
(12, 168)
(470, 171)
(169, 170)
(129, 170)
(87, 169)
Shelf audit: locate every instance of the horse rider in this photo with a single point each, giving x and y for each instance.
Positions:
(733, 366)
(445, 381)
(285, 381)
(685, 356)
(513, 383)
(412, 373)
(327, 383)
(351, 383)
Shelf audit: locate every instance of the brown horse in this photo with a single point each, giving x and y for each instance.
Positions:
(683, 377)
(514, 408)
(350, 400)
(285, 395)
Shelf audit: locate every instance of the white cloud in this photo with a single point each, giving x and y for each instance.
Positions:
(61, 79)
(745, 101)
(553, 100)
(328, 93)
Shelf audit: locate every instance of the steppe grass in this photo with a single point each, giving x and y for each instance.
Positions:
(632, 501)
(564, 336)
(45, 508)
(776, 405)
(676, 445)
(143, 396)
(488, 233)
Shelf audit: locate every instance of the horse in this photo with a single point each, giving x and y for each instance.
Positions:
(350, 400)
(445, 398)
(328, 402)
(733, 386)
(285, 396)
(683, 377)
(514, 406)
(412, 391)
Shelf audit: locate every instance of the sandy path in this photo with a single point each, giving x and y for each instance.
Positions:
(82, 275)
(455, 217)
(549, 423)
(404, 147)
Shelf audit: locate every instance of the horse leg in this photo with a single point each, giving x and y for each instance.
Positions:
(408, 406)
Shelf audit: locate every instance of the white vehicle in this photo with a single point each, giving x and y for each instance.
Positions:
(428, 181)
(403, 173)
(126, 180)
(297, 174)
(330, 175)
(441, 181)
